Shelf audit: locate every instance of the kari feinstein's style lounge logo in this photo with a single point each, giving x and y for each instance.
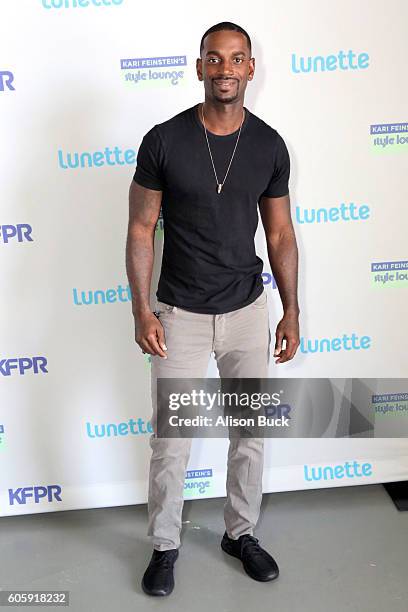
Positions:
(198, 482)
(164, 71)
(386, 274)
(389, 137)
(390, 404)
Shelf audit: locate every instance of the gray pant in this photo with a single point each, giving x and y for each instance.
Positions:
(240, 341)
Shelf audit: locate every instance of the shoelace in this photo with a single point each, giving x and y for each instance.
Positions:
(164, 561)
(250, 542)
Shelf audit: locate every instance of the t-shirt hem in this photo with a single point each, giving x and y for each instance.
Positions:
(147, 185)
(275, 195)
(212, 312)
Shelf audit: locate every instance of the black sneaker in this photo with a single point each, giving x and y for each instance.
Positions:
(257, 563)
(158, 578)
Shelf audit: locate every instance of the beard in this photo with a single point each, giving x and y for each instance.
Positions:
(228, 96)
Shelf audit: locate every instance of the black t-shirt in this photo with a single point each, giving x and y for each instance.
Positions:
(209, 260)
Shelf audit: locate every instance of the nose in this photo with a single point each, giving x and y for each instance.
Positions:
(226, 68)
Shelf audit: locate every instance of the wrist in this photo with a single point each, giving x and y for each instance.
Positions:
(291, 310)
(141, 310)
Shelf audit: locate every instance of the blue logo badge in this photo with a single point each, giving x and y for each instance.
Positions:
(22, 365)
(6, 80)
(16, 233)
(48, 493)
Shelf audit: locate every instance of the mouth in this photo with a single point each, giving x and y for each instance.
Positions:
(224, 84)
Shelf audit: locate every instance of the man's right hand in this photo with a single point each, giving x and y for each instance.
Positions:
(149, 334)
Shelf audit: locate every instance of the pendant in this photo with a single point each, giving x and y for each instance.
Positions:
(219, 187)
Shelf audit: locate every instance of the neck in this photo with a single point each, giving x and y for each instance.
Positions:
(221, 119)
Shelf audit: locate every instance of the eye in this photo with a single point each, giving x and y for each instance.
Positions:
(212, 59)
(239, 60)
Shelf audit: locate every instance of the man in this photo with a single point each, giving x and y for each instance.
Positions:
(208, 168)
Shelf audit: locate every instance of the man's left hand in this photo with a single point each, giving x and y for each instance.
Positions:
(287, 329)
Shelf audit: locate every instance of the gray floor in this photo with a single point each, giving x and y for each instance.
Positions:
(343, 549)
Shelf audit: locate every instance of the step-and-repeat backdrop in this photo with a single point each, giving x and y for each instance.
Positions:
(81, 82)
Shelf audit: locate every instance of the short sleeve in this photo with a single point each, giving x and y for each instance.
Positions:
(279, 184)
(149, 162)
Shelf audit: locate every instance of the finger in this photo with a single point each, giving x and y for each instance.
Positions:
(154, 345)
(278, 343)
(292, 348)
(289, 352)
(161, 337)
(144, 347)
(282, 357)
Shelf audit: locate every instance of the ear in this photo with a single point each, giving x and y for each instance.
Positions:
(251, 69)
(199, 68)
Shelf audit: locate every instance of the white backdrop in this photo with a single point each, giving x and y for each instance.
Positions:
(69, 365)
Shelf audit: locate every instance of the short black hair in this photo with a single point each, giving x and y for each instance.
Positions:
(226, 25)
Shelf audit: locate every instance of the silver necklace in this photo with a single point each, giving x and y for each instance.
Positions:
(221, 185)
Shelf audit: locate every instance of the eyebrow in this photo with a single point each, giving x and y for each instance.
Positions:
(218, 53)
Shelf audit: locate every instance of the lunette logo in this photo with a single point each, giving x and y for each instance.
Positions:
(107, 157)
(102, 296)
(346, 342)
(350, 469)
(329, 63)
(344, 212)
(132, 427)
(67, 4)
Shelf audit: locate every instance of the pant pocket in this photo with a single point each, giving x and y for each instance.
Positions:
(260, 301)
(161, 308)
